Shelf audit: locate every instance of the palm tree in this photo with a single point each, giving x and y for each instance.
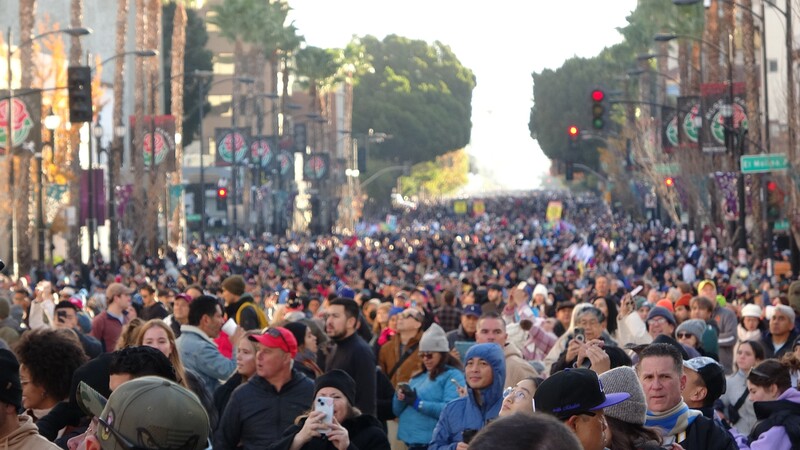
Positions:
(178, 53)
(712, 35)
(27, 17)
(118, 119)
(137, 160)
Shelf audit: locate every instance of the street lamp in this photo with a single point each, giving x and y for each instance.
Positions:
(51, 122)
(74, 32)
(235, 160)
(145, 53)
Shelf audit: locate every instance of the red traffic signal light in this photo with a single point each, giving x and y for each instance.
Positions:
(222, 193)
(669, 182)
(573, 131)
(598, 95)
(772, 186)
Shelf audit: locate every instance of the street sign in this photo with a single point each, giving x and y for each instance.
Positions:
(764, 163)
(193, 217)
(781, 225)
(667, 168)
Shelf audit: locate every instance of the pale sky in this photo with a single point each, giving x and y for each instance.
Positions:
(501, 41)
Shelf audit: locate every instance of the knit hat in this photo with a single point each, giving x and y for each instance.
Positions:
(695, 327)
(712, 374)
(641, 301)
(666, 304)
(751, 310)
(148, 412)
(434, 340)
(338, 379)
(683, 301)
(234, 284)
(659, 311)
(624, 379)
(298, 329)
(10, 387)
(540, 289)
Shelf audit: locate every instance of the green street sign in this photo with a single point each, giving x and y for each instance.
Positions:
(193, 217)
(764, 163)
(781, 225)
(667, 168)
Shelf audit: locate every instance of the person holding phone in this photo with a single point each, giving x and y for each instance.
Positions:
(419, 402)
(346, 429)
(589, 346)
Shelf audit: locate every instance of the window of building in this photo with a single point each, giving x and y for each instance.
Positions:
(773, 65)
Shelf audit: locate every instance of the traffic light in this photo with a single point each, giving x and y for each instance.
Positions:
(222, 197)
(774, 201)
(598, 109)
(574, 135)
(669, 182)
(79, 85)
(569, 172)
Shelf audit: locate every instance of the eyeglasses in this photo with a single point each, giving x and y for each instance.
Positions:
(121, 440)
(274, 332)
(426, 355)
(412, 315)
(683, 335)
(656, 321)
(516, 395)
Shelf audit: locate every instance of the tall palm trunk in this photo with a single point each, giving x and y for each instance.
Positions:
(119, 121)
(138, 216)
(22, 187)
(75, 52)
(157, 174)
(751, 99)
(713, 36)
(177, 67)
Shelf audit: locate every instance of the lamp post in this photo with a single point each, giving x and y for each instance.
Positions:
(74, 32)
(234, 158)
(51, 122)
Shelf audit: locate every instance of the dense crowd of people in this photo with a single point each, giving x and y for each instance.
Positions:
(435, 330)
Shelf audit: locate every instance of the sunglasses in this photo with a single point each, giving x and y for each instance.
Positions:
(426, 355)
(412, 315)
(683, 335)
(274, 332)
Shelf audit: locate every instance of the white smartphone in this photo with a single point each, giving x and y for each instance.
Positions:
(636, 290)
(325, 404)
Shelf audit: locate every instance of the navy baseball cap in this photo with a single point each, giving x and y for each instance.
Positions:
(472, 310)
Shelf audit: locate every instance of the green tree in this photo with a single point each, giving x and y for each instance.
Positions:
(419, 93)
(197, 57)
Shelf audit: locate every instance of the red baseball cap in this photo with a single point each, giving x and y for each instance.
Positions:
(277, 337)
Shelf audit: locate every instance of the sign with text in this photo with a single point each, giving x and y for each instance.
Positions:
(764, 163)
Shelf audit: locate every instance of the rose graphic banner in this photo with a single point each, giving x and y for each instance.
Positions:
(669, 129)
(715, 98)
(263, 150)
(26, 119)
(229, 141)
(158, 133)
(689, 122)
(316, 167)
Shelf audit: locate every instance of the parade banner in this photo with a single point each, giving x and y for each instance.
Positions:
(669, 129)
(554, 211)
(316, 167)
(230, 141)
(715, 99)
(26, 120)
(99, 196)
(478, 207)
(263, 150)
(285, 163)
(688, 112)
(158, 133)
(460, 207)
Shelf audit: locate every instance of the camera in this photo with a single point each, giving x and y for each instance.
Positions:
(468, 435)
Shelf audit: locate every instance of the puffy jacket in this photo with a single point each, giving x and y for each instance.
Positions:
(465, 413)
(200, 355)
(26, 437)
(365, 433)
(417, 422)
(779, 424)
(517, 368)
(390, 355)
(257, 414)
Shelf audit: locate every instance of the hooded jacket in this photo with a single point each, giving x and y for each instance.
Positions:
(466, 413)
(417, 422)
(26, 437)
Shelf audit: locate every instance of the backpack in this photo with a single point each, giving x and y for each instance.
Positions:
(262, 318)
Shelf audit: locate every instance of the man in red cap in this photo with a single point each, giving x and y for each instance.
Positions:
(252, 419)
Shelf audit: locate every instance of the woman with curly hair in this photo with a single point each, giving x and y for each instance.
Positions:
(47, 360)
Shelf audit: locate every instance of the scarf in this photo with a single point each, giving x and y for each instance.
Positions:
(674, 422)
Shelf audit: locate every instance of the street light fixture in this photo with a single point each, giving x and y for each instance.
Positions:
(74, 32)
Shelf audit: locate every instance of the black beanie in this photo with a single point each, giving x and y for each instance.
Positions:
(340, 380)
(298, 329)
(10, 387)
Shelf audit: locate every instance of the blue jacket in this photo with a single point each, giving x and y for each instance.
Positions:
(201, 355)
(417, 423)
(465, 413)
